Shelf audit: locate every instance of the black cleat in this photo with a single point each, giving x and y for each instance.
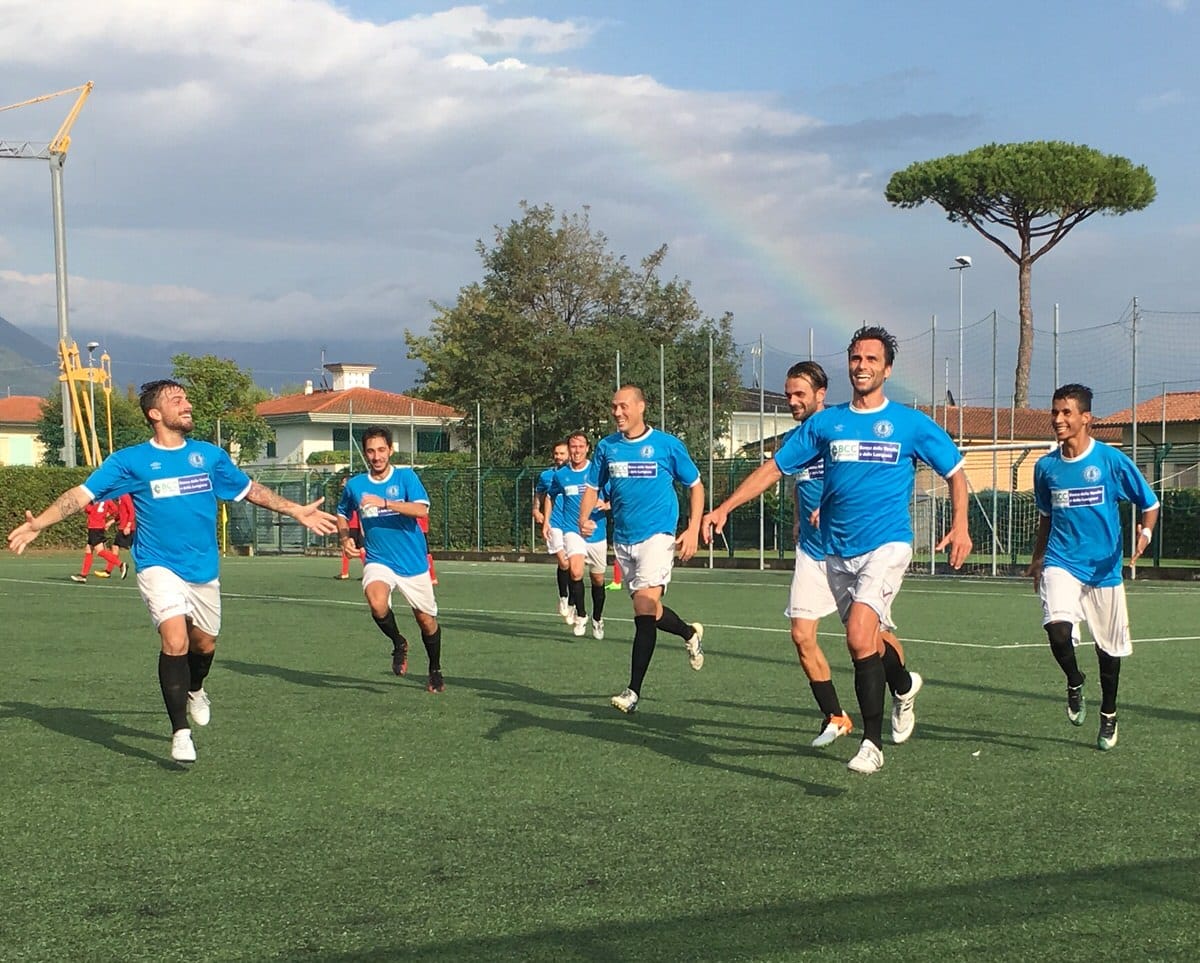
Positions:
(1076, 706)
(436, 683)
(400, 659)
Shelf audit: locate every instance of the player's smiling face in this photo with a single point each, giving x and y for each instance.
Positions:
(803, 400)
(578, 448)
(1068, 422)
(377, 454)
(629, 413)
(560, 455)
(174, 410)
(868, 370)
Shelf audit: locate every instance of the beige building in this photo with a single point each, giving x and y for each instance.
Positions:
(19, 417)
(1168, 437)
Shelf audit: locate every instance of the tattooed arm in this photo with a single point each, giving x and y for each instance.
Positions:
(66, 505)
(310, 516)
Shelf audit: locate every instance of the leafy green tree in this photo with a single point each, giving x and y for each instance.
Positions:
(535, 342)
(128, 425)
(223, 397)
(1040, 189)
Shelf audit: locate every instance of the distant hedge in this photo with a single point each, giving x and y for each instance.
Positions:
(35, 489)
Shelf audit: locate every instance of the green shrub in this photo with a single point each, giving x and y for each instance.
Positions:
(34, 489)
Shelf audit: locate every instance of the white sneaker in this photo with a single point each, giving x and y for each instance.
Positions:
(627, 701)
(198, 708)
(597, 629)
(904, 720)
(182, 749)
(579, 628)
(695, 650)
(565, 612)
(868, 760)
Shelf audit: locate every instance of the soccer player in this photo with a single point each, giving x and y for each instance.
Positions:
(126, 525)
(100, 515)
(568, 483)
(356, 536)
(390, 499)
(175, 483)
(870, 448)
(548, 515)
(640, 465)
(1076, 564)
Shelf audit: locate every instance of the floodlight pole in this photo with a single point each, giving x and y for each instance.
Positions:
(962, 263)
(60, 276)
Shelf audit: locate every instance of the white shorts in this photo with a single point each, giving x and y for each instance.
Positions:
(646, 564)
(872, 578)
(554, 541)
(810, 597)
(167, 595)
(594, 553)
(1066, 599)
(416, 589)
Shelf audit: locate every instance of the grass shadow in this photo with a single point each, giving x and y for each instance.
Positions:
(315, 680)
(88, 726)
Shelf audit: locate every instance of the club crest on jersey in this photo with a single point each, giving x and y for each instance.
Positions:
(647, 451)
(883, 429)
(196, 460)
(393, 491)
(1091, 473)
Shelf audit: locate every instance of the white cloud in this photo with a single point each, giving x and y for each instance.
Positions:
(1160, 101)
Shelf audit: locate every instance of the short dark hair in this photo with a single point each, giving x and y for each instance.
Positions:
(812, 372)
(1081, 394)
(873, 332)
(377, 431)
(577, 434)
(149, 393)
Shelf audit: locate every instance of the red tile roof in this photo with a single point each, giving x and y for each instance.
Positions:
(21, 409)
(1023, 424)
(1182, 406)
(365, 401)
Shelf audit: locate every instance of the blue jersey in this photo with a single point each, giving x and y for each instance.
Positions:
(1080, 497)
(390, 538)
(640, 474)
(810, 483)
(870, 462)
(558, 518)
(174, 492)
(569, 483)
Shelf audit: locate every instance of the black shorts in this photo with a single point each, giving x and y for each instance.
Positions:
(356, 534)
(97, 536)
(123, 541)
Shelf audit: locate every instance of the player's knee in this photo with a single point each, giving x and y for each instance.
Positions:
(1059, 634)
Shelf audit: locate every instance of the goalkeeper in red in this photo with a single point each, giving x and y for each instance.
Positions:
(1076, 565)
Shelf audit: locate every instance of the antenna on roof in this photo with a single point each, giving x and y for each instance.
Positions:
(324, 373)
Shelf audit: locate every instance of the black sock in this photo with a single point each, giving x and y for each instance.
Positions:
(645, 635)
(869, 680)
(198, 664)
(826, 696)
(598, 596)
(899, 680)
(433, 648)
(1059, 634)
(575, 590)
(1110, 675)
(173, 677)
(387, 625)
(670, 622)
(564, 583)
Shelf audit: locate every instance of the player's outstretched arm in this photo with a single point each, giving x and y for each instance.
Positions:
(753, 485)
(66, 505)
(310, 516)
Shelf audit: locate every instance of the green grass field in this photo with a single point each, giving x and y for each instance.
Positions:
(338, 813)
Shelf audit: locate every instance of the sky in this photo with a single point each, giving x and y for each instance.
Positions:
(304, 172)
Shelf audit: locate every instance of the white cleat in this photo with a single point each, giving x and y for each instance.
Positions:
(598, 629)
(182, 749)
(565, 612)
(627, 701)
(904, 720)
(868, 760)
(835, 727)
(695, 650)
(579, 628)
(199, 708)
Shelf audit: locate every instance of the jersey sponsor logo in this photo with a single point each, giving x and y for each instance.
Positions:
(874, 452)
(196, 460)
(1091, 474)
(883, 428)
(633, 469)
(572, 490)
(1077, 497)
(183, 485)
(814, 472)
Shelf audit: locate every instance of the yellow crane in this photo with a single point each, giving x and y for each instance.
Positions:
(56, 153)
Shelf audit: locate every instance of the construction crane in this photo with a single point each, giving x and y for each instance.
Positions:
(56, 153)
(83, 402)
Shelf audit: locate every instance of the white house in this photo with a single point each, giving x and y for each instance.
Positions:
(19, 417)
